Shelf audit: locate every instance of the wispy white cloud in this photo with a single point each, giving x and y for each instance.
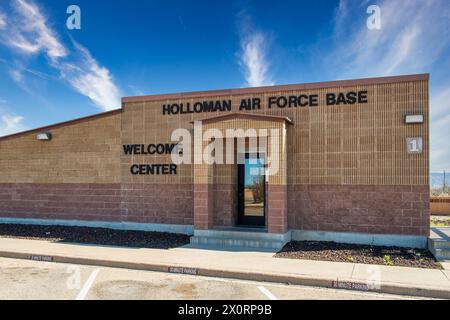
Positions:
(341, 14)
(441, 105)
(32, 35)
(414, 38)
(2, 21)
(29, 80)
(91, 79)
(16, 75)
(254, 61)
(135, 90)
(253, 58)
(440, 130)
(10, 124)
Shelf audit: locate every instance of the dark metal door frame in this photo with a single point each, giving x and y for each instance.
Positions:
(243, 220)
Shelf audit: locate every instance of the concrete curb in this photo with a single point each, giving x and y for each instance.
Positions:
(344, 284)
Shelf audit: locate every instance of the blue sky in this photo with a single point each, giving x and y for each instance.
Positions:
(50, 74)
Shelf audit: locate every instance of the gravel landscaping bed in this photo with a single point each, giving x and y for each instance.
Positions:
(99, 236)
(331, 251)
(440, 221)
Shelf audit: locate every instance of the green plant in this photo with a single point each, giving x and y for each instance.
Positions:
(418, 256)
(387, 260)
(440, 222)
(350, 258)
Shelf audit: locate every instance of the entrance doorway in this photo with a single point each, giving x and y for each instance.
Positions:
(252, 191)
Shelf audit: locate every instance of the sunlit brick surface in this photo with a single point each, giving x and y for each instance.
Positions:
(342, 168)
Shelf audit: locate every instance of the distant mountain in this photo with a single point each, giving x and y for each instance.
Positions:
(437, 179)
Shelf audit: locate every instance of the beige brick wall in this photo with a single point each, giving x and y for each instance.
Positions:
(82, 152)
(348, 144)
(361, 144)
(346, 166)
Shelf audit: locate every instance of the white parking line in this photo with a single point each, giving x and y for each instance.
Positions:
(267, 293)
(87, 286)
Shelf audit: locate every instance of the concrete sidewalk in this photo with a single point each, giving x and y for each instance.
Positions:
(259, 266)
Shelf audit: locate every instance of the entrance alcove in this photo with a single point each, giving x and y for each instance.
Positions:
(218, 192)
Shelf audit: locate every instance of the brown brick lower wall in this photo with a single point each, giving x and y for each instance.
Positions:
(277, 208)
(60, 201)
(203, 206)
(143, 203)
(368, 209)
(225, 205)
(158, 203)
(400, 210)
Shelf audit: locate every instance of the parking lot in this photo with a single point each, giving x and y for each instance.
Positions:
(24, 279)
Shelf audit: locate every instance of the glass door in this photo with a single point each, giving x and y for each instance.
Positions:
(251, 191)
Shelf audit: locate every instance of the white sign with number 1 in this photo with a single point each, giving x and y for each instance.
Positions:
(414, 145)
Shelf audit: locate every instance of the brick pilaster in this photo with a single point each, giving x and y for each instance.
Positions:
(203, 206)
(277, 208)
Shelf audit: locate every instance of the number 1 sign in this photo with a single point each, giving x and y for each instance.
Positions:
(414, 145)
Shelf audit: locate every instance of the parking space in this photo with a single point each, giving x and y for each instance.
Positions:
(23, 279)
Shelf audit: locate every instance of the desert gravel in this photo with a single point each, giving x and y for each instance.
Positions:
(339, 252)
(98, 236)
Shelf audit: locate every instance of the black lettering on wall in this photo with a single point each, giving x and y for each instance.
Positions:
(248, 104)
(362, 97)
(293, 102)
(314, 100)
(256, 103)
(281, 102)
(166, 109)
(208, 106)
(153, 169)
(331, 99)
(141, 149)
(128, 149)
(341, 99)
(245, 104)
(226, 105)
(303, 100)
(198, 107)
(271, 101)
(351, 97)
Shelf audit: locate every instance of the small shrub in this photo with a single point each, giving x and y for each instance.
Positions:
(440, 222)
(387, 260)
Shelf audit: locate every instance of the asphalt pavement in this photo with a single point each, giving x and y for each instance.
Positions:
(24, 279)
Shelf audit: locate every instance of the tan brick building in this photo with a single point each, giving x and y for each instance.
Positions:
(352, 165)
